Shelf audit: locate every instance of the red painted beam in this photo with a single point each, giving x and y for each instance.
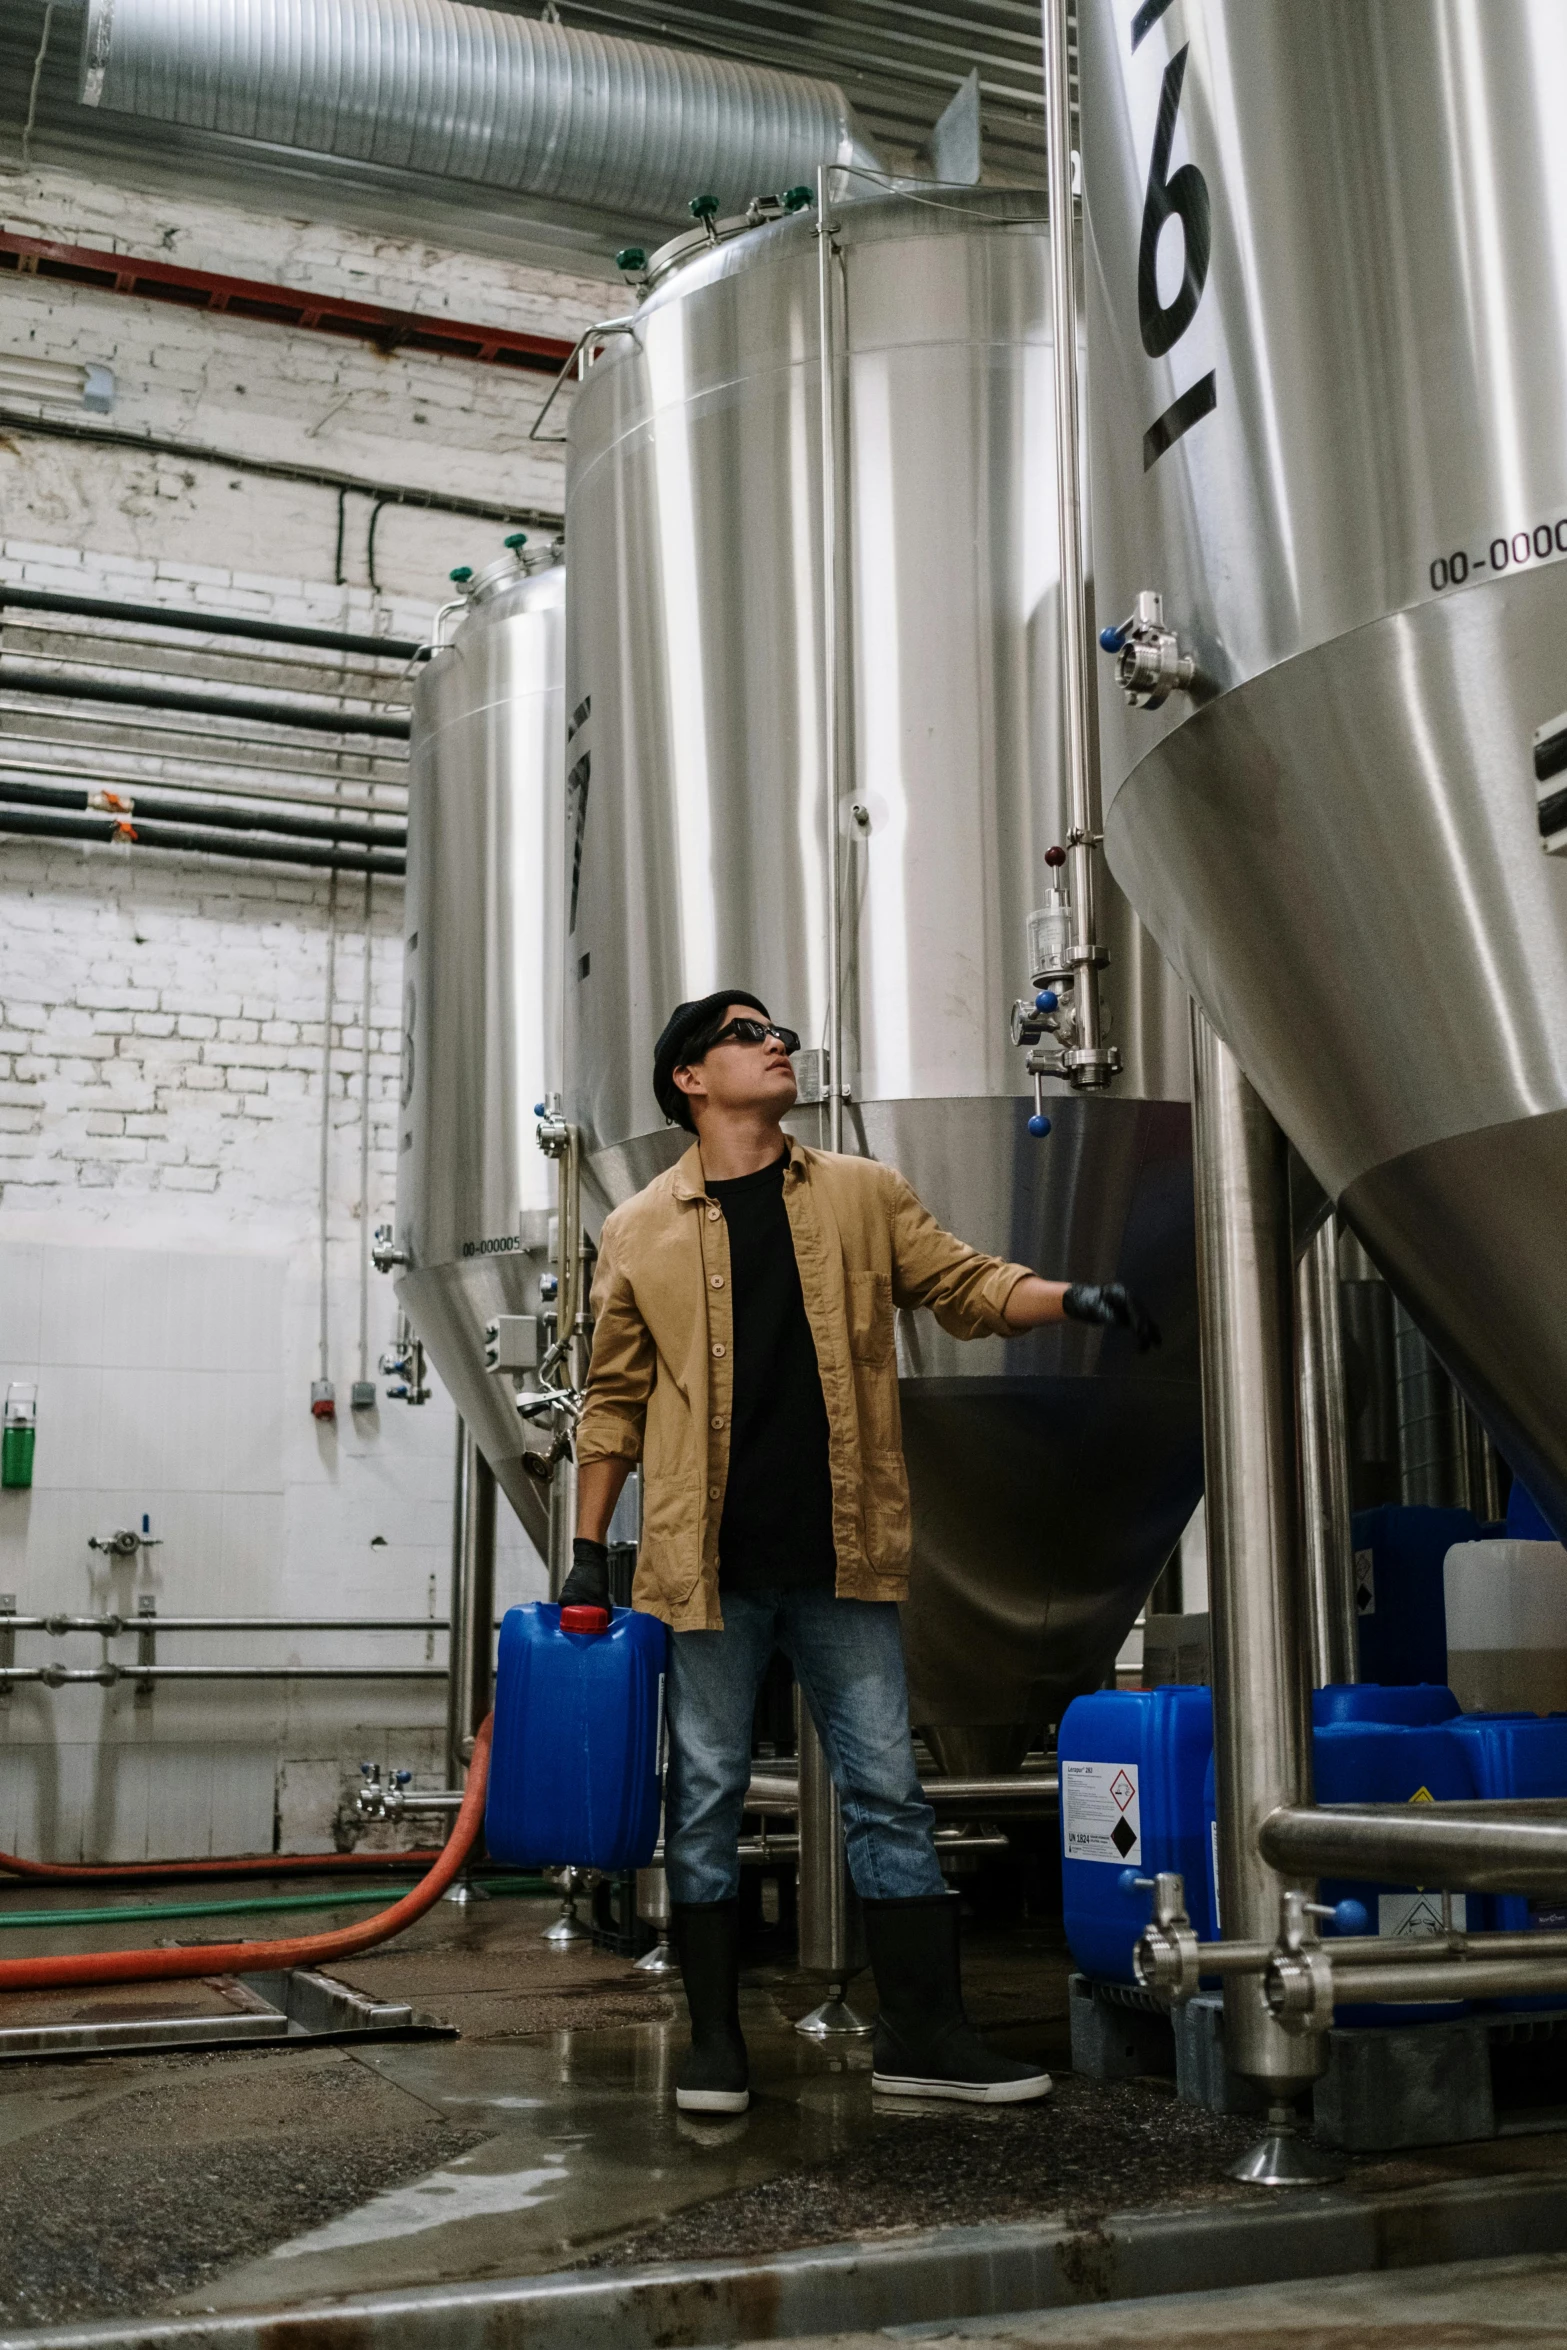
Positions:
(240, 297)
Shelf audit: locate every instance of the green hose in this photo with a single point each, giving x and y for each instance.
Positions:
(269, 1902)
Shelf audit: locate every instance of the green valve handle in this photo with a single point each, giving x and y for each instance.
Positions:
(631, 258)
(796, 199)
(703, 207)
(461, 576)
(517, 541)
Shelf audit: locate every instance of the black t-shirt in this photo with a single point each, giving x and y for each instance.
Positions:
(777, 1523)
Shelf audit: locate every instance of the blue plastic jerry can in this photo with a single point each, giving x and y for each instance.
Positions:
(579, 1710)
(1132, 1764)
(1514, 1755)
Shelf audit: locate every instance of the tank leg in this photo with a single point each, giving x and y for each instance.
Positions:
(653, 1909)
(1261, 1702)
(568, 1927)
(1324, 1461)
(829, 1935)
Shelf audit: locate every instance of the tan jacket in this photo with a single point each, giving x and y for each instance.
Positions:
(661, 1379)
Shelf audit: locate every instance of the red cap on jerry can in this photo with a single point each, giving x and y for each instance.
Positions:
(584, 1619)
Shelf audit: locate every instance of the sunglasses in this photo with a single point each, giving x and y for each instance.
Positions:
(755, 1032)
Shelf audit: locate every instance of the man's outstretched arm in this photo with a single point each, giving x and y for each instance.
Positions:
(1033, 1301)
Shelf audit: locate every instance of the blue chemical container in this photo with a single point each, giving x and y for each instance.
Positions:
(1399, 1591)
(574, 1772)
(1370, 1701)
(1132, 1764)
(1519, 1755)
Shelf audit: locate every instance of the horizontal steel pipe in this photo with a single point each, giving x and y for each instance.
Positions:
(267, 632)
(56, 824)
(148, 806)
(1019, 1794)
(108, 1675)
(1437, 1980)
(1459, 1848)
(110, 1627)
(59, 687)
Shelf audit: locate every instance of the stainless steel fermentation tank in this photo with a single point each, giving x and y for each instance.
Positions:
(481, 994)
(1327, 334)
(1051, 1474)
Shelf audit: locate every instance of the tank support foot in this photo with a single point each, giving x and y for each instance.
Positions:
(835, 2019)
(1284, 2158)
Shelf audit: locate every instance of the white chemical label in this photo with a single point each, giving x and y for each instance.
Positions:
(1099, 1813)
(1365, 1584)
(1409, 1915)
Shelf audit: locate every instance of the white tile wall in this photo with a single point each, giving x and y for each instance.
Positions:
(174, 1382)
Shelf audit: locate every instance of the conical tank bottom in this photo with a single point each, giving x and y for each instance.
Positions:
(449, 1306)
(1343, 859)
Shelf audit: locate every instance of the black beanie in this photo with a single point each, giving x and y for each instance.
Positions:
(685, 1027)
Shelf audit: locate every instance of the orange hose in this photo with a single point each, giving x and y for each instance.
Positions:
(258, 1864)
(232, 1958)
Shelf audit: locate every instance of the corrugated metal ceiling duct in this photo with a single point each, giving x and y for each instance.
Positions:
(470, 94)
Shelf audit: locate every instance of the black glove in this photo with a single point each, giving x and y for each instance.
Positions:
(588, 1583)
(1113, 1306)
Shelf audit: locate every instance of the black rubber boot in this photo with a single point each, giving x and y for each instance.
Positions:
(925, 2045)
(714, 2075)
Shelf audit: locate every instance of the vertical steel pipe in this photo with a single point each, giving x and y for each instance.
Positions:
(1261, 1701)
(470, 1683)
(835, 646)
(1082, 798)
(1324, 1461)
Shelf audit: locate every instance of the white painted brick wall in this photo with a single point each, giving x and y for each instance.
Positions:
(265, 391)
(161, 1027)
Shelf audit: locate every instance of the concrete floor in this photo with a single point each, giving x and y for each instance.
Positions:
(545, 2137)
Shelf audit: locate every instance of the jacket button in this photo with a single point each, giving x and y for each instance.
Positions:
(717, 1420)
(715, 1281)
(713, 1215)
(720, 1348)
(712, 1493)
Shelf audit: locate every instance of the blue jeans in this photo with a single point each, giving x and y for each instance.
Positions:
(848, 1660)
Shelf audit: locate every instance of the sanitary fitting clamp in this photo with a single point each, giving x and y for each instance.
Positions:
(1149, 663)
(1298, 1982)
(1165, 1958)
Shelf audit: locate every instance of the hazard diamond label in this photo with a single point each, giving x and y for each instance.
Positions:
(1100, 1813)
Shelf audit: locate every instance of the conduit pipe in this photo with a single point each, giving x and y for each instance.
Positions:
(61, 685)
(202, 623)
(57, 824)
(174, 1872)
(152, 805)
(233, 1958)
(464, 93)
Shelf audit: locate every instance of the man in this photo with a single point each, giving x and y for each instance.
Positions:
(743, 1351)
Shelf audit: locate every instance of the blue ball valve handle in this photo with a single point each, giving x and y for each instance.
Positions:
(1039, 1126)
(1047, 1000)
